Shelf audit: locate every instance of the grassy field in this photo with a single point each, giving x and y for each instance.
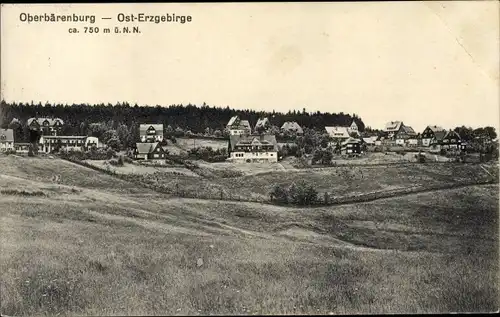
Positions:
(183, 145)
(92, 244)
(136, 168)
(342, 181)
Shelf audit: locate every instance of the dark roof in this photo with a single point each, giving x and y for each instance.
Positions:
(40, 121)
(253, 139)
(143, 128)
(409, 130)
(439, 135)
(145, 148)
(435, 128)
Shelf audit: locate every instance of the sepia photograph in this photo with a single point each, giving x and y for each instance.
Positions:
(281, 158)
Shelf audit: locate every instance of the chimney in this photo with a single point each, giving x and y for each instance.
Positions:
(262, 137)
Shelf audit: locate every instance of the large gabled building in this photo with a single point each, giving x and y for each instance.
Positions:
(253, 148)
(46, 126)
(432, 132)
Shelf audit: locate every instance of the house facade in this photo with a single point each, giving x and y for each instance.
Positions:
(350, 147)
(49, 143)
(92, 141)
(293, 127)
(353, 128)
(47, 126)
(450, 140)
(22, 148)
(151, 133)
(251, 149)
(397, 132)
(6, 140)
(432, 132)
(236, 126)
(149, 151)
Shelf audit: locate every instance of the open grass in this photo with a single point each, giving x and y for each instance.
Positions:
(141, 169)
(345, 181)
(95, 250)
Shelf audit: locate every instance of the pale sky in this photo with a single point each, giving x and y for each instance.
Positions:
(423, 63)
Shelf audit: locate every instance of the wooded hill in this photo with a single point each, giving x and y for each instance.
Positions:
(187, 117)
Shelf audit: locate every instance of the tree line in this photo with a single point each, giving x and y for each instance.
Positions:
(197, 119)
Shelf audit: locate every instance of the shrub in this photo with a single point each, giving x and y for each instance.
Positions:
(10, 151)
(300, 193)
(110, 153)
(420, 157)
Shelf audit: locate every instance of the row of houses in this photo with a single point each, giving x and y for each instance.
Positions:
(245, 144)
(397, 133)
(236, 126)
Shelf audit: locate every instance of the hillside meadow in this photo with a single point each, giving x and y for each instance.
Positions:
(92, 244)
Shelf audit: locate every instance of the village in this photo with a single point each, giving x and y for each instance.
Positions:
(246, 144)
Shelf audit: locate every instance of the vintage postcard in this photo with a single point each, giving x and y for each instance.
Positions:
(249, 158)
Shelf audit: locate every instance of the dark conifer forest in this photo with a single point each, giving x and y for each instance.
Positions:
(196, 119)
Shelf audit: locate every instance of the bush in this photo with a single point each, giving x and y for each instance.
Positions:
(420, 158)
(10, 151)
(110, 153)
(300, 193)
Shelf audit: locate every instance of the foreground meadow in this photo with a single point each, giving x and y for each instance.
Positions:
(107, 247)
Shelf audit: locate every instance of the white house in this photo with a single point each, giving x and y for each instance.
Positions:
(151, 132)
(256, 148)
(49, 143)
(235, 126)
(353, 128)
(6, 140)
(92, 141)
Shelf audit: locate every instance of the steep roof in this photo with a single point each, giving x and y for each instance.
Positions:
(263, 139)
(435, 128)
(232, 121)
(337, 132)
(451, 133)
(409, 130)
(439, 135)
(262, 122)
(245, 124)
(292, 126)
(393, 126)
(40, 121)
(6, 135)
(145, 148)
(143, 128)
(351, 140)
(370, 139)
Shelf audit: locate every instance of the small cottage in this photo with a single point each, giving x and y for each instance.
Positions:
(149, 151)
(6, 140)
(350, 147)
